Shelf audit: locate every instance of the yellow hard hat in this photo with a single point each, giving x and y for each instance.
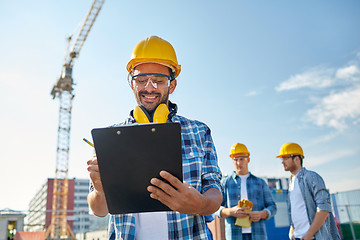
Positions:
(290, 149)
(238, 148)
(154, 50)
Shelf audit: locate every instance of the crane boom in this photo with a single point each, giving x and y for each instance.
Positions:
(63, 89)
(63, 83)
(84, 32)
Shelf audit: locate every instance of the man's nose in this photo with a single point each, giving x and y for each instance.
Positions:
(150, 85)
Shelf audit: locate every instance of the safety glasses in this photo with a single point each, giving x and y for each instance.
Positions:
(157, 80)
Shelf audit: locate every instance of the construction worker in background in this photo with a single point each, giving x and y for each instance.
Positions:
(239, 186)
(309, 200)
(153, 69)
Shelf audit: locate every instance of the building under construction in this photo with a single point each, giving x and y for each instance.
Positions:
(40, 207)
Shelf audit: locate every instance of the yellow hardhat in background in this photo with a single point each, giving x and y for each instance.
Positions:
(154, 50)
(238, 148)
(290, 149)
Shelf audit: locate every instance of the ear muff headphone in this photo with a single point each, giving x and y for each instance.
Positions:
(160, 115)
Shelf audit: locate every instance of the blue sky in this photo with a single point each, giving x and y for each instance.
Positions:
(257, 72)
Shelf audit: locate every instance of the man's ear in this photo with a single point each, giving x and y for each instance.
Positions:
(173, 84)
(132, 85)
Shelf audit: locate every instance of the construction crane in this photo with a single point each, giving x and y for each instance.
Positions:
(63, 90)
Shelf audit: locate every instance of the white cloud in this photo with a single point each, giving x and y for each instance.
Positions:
(342, 105)
(318, 77)
(320, 160)
(324, 138)
(251, 93)
(321, 77)
(335, 109)
(351, 72)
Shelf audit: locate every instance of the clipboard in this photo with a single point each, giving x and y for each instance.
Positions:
(129, 156)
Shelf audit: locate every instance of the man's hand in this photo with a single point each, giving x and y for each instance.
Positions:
(256, 216)
(93, 169)
(291, 233)
(238, 212)
(96, 198)
(319, 219)
(307, 237)
(182, 197)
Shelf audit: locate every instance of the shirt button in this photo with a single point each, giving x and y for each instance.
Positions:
(191, 154)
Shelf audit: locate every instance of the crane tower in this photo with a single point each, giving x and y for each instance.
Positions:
(63, 90)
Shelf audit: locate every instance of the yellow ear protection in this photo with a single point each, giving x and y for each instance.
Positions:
(160, 115)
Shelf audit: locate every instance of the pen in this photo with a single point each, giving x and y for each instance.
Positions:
(88, 142)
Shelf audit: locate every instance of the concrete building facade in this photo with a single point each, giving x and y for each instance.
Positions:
(10, 222)
(81, 218)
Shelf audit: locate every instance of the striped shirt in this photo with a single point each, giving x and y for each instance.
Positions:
(316, 197)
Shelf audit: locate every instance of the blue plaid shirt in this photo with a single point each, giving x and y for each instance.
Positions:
(258, 193)
(200, 169)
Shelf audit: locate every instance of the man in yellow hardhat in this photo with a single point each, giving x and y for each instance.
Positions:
(153, 69)
(239, 186)
(309, 200)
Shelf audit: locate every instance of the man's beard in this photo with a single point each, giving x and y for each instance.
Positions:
(163, 99)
